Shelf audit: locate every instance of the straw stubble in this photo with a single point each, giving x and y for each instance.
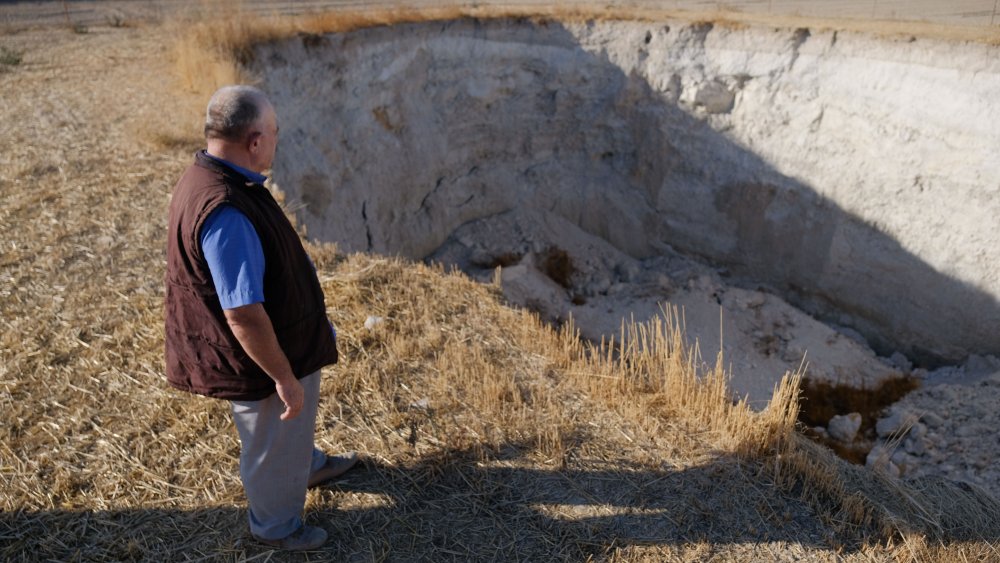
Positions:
(488, 435)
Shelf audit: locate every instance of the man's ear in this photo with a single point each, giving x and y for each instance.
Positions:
(253, 141)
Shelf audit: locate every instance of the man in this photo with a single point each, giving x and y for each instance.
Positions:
(245, 315)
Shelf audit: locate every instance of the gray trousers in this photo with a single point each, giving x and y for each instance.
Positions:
(276, 459)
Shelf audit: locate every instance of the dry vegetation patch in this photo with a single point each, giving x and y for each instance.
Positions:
(487, 434)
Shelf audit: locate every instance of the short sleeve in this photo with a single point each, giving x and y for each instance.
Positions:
(235, 257)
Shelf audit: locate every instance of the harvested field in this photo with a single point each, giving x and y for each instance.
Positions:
(488, 435)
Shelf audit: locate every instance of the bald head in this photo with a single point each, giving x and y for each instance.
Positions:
(233, 111)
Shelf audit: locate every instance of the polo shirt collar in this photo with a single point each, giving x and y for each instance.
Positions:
(248, 174)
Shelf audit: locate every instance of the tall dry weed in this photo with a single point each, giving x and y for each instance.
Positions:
(213, 52)
(654, 361)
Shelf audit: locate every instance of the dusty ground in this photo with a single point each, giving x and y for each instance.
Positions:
(99, 461)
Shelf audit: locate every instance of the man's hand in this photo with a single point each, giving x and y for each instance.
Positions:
(292, 395)
(252, 327)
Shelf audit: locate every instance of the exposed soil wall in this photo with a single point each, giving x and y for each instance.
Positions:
(855, 176)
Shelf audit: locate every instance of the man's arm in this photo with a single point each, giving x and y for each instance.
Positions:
(252, 327)
(234, 255)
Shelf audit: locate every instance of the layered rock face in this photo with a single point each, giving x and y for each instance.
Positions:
(857, 177)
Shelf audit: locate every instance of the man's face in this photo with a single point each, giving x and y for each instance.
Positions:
(264, 144)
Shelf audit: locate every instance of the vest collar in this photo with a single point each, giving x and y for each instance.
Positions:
(226, 168)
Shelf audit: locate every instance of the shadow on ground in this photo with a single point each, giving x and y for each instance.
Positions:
(451, 507)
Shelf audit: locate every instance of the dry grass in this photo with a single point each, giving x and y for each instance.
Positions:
(488, 435)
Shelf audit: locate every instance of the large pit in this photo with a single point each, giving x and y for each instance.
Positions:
(790, 176)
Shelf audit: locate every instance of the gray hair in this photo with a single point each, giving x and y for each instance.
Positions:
(233, 111)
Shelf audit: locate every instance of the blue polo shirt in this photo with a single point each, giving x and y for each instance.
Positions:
(233, 252)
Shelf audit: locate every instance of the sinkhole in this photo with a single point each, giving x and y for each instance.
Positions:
(832, 193)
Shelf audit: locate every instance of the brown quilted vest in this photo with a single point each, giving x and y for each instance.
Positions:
(202, 354)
